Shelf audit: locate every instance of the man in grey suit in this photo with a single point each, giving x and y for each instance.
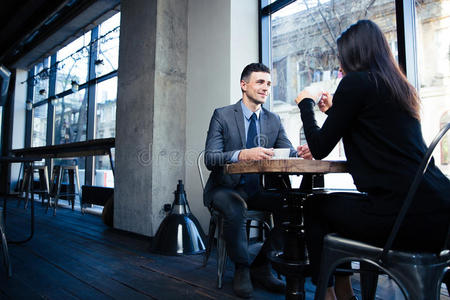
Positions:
(239, 132)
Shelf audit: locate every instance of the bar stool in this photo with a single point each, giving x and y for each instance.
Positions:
(43, 190)
(56, 180)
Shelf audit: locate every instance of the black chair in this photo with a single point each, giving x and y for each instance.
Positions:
(216, 222)
(419, 275)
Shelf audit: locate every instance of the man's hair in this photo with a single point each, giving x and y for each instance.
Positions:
(254, 67)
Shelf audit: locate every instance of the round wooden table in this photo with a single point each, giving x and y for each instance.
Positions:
(292, 261)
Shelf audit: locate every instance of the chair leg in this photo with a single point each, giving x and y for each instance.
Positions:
(221, 254)
(55, 204)
(327, 267)
(28, 186)
(211, 232)
(58, 191)
(261, 231)
(77, 178)
(248, 227)
(49, 203)
(325, 274)
(71, 199)
(418, 282)
(369, 281)
(266, 228)
(6, 261)
(446, 280)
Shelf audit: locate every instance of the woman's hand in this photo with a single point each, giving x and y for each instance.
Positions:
(303, 94)
(303, 152)
(325, 102)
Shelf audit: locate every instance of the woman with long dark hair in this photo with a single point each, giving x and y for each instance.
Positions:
(375, 110)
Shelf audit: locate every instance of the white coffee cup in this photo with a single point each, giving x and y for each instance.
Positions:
(279, 153)
(316, 93)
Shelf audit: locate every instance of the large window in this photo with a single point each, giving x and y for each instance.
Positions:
(303, 53)
(299, 44)
(73, 95)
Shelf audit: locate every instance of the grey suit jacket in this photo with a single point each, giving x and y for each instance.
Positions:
(226, 134)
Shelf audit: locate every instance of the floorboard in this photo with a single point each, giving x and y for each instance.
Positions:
(75, 256)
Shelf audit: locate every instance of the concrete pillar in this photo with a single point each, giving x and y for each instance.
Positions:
(151, 111)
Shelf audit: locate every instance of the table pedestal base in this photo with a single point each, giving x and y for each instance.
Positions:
(293, 262)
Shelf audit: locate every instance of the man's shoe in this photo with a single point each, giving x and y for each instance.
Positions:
(263, 276)
(242, 285)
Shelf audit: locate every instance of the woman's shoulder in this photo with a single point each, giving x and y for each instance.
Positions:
(359, 77)
(356, 81)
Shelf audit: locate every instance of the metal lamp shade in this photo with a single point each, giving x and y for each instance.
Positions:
(180, 232)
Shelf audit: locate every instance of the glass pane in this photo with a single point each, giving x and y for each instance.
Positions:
(103, 172)
(433, 35)
(108, 46)
(71, 118)
(39, 126)
(106, 96)
(73, 63)
(41, 80)
(304, 54)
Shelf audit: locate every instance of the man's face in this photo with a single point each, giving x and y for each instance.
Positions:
(257, 88)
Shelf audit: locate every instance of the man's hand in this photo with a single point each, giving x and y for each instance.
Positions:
(303, 152)
(256, 153)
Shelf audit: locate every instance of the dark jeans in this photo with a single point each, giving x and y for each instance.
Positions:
(233, 203)
(344, 213)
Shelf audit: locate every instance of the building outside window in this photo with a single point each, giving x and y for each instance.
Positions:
(302, 52)
(106, 95)
(71, 118)
(65, 92)
(433, 26)
(73, 62)
(39, 126)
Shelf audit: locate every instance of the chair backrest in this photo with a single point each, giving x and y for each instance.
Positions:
(202, 170)
(412, 190)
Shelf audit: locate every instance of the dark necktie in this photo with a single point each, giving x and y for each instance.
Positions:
(251, 180)
(252, 134)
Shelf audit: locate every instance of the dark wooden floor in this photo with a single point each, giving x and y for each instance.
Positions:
(75, 256)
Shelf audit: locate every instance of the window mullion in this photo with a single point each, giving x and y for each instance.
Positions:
(50, 109)
(264, 42)
(90, 127)
(29, 113)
